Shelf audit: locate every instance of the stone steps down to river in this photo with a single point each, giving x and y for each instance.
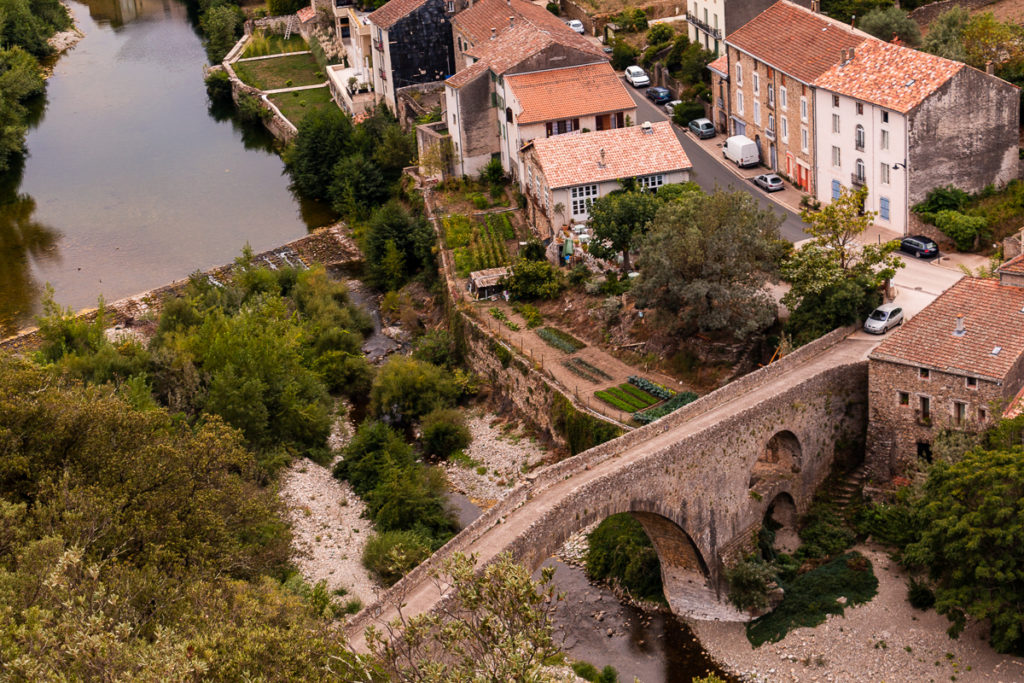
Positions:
(330, 246)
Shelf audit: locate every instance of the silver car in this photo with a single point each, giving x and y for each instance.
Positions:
(883, 319)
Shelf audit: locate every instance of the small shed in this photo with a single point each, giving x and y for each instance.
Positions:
(483, 284)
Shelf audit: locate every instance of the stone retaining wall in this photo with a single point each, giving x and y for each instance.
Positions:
(925, 14)
(279, 126)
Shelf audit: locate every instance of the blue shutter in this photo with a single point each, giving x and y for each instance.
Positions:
(835, 189)
(883, 207)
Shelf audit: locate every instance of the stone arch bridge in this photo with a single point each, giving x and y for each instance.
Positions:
(700, 481)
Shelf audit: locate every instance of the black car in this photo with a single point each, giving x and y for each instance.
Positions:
(920, 246)
(658, 95)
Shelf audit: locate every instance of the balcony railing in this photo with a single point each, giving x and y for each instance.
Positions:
(858, 180)
(769, 133)
(859, 145)
(713, 32)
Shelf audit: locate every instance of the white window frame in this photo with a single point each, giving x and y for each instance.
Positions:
(757, 112)
(771, 123)
(784, 129)
(652, 182)
(739, 102)
(739, 74)
(835, 123)
(884, 144)
(582, 197)
(837, 159)
(883, 173)
(782, 96)
(804, 137)
(757, 83)
(803, 109)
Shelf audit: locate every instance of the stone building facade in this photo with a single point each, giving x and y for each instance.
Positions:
(958, 365)
(411, 44)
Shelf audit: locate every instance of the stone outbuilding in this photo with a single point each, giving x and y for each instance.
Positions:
(957, 365)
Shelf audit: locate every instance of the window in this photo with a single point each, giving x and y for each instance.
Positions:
(883, 207)
(652, 182)
(782, 97)
(582, 197)
(757, 84)
(757, 112)
(971, 382)
(450, 5)
(835, 123)
(494, 99)
(924, 451)
(739, 102)
(859, 166)
(785, 129)
(739, 74)
(771, 123)
(837, 188)
(803, 110)
(860, 108)
(460, 44)
(771, 96)
(904, 398)
(885, 140)
(926, 407)
(835, 100)
(803, 139)
(959, 412)
(883, 173)
(836, 159)
(982, 414)
(859, 137)
(924, 373)
(885, 117)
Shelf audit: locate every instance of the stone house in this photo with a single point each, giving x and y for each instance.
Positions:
(711, 20)
(476, 98)
(486, 19)
(411, 44)
(957, 365)
(564, 174)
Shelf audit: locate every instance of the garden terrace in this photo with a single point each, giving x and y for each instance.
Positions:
(478, 244)
(295, 105)
(274, 73)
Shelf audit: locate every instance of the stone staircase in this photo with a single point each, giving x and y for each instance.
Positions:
(844, 490)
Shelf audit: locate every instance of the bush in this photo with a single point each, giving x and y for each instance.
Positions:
(634, 19)
(222, 27)
(824, 533)
(847, 302)
(218, 86)
(948, 198)
(530, 314)
(406, 389)
(660, 33)
(623, 55)
(619, 549)
(964, 230)
(443, 432)
(687, 111)
(279, 8)
(392, 554)
(437, 347)
(493, 173)
(919, 595)
(373, 452)
(749, 583)
(554, 8)
(535, 280)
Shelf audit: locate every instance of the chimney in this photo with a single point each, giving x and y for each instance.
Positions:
(850, 54)
(989, 68)
(511, 22)
(600, 164)
(853, 21)
(842, 57)
(494, 33)
(960, 329)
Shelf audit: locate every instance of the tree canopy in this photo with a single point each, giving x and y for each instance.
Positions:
(889, 23)
(706, 260)
(618, 220)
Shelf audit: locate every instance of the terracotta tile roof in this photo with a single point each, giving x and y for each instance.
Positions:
(477, 21)
(888, 75)
(305, 14)
(721, 65)
(1016, 406)
(795, 40)
(574, 159)
(571, 92)
(1014, 265)
(470, 73)
(993, 319)
(388, 15)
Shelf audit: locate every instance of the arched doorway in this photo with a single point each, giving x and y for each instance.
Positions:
(780, 458)
(780, 518)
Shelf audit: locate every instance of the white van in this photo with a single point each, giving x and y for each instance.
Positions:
(742, 150)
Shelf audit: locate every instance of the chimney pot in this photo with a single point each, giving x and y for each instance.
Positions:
(494, 32)
(850, 54)
(511, 22)
(842, 56)
(960, 329)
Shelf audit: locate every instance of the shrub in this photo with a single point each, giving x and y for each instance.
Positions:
(218, 86)
(392, 554)
(493, 173)
(920, 595)
(280, 8)
(948, 198)
(530, 314)
(964, 230)
(749, 583)
(406, 389)
(824, 533)
(660, 33)
(438, 348)
(443, 432)
(687, 111)
(619, 549)
(535, 280)
(554, 8)
(623, 55)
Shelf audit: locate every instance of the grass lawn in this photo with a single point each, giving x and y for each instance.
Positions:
(270, 74)
(295, 105)
(263, 44)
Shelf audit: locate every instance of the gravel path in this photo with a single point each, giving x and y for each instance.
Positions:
(884, 640)
(500, 447)
(329, 530)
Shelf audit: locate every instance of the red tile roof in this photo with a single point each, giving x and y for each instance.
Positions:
(575, 159)
(388, 15)
(721, 65)
(1014, 265)
(477, 21)
(993, 319)
(795, 40)
(305, 14)
(566, 93)
(888, 75)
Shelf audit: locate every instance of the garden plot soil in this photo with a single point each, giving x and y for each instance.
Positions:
(883, 640)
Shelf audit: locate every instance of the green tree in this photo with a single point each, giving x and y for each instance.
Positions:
(834, 253)
(494, 624)
(660, 33)
(706, 259)
(324, 138)
(972, 542)
(409, 233)
(618, 220)
(20, 78)
(406, 389)
(619, 549)
(222, 26)
(986, 39)
(534, 280)
(946, 34)
(887, 23)
(443, 432)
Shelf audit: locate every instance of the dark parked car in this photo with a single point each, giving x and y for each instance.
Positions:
(658, 95)
(702, 128)
(920, 246)
(769, 182)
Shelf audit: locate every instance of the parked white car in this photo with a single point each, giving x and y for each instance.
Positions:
(883, 319)
(576, 25)
(637, 77)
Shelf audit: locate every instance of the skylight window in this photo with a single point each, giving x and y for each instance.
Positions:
(996, 350)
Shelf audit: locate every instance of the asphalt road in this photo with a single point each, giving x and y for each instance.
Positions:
(709, 173)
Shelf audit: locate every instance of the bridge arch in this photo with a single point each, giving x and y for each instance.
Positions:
(781, 516)
(781, 458)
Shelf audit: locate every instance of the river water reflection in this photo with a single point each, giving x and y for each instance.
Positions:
(131, 180)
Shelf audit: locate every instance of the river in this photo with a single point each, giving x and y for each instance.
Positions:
(131, 180)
